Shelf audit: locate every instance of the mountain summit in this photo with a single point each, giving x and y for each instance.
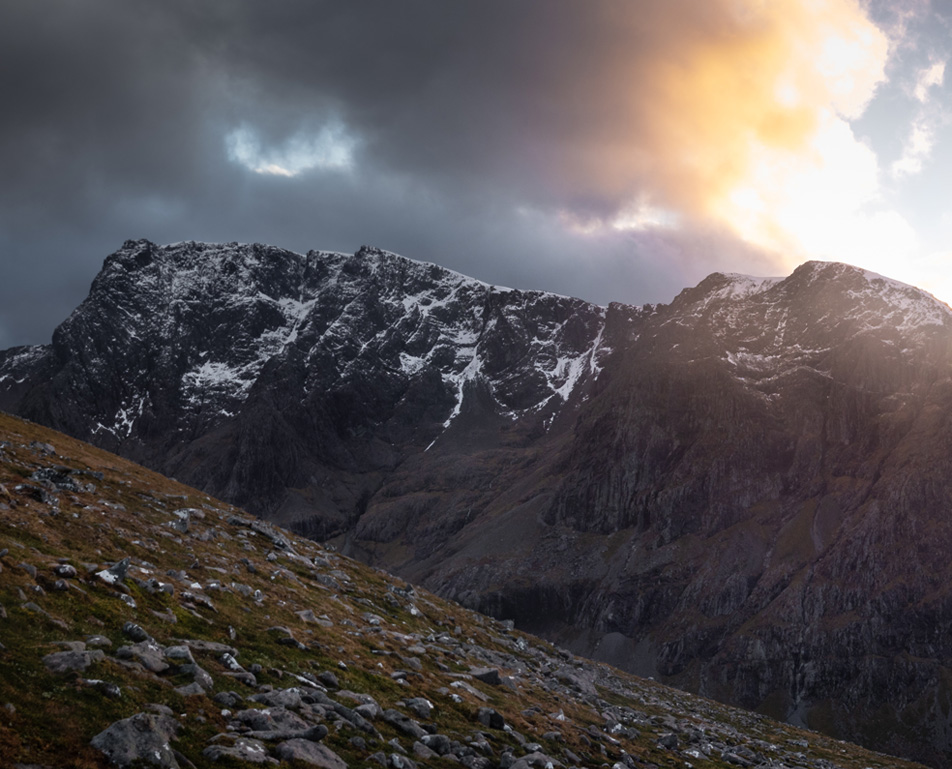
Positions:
(743, 492)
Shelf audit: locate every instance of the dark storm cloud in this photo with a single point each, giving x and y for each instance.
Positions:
(473, 128)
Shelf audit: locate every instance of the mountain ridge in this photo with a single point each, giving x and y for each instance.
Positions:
(711, 491)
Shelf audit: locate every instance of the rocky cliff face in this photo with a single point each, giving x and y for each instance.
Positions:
(743, 492)
(291, 383)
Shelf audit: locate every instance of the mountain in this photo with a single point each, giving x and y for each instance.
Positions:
(143, 623)
(742, 493)
(319, 373)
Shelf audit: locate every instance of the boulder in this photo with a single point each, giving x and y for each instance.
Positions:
(403, 723)
(438, 743)
(419, 706)
(486, 675)
(248, 751)
(134, 632)
(284, 698)
(310, 753)
(139, 739)
(71, 661)
(147, 653)
(115, 574)
(271, 719)
(424, 753)
(490, 718)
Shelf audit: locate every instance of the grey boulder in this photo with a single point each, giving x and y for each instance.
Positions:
(311, 753)
(244, 750)
(70, 661)
(142, 738)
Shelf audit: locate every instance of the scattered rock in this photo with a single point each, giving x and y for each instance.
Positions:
(212, 647)
(134, 632)
(470, 690)
(580, 680)
(228, 699)
(486, 675)
(438, 743)
(56, 478)
(115, 574)
(420, 707)
(283, 698)
(403, 723)
(490, 718)
(422, 752)
(72, 661)
(142, 738)
(310, 753)
(179, 653)
(369, 711)
(244, 749)
(190, 690)
(536, 760)
(329, 679)
(65, 570)
(271, 719)
(107, 688)
(147, 653)
(668, 740)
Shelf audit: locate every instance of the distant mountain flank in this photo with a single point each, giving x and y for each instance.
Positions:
(743, 492)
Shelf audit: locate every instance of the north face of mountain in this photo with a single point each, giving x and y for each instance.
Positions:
(293, 383)
(743, 492)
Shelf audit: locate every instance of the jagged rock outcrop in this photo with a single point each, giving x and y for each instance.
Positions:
(743, 492)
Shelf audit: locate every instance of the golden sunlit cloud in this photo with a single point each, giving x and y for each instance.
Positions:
(745, 116)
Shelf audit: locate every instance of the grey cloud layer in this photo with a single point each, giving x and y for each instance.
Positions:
(474, 123)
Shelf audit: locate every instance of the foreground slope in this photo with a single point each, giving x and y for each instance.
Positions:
(144, 621)
(743, 492)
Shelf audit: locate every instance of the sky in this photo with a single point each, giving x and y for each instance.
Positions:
(615, 150)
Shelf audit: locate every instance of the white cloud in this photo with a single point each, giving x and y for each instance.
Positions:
(644, 216)
(916, 150)
(922, 133)
(330, 148)
(928, 77)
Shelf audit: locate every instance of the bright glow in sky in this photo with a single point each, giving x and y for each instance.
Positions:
(776, 155)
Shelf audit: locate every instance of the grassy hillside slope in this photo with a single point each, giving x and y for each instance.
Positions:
(144, 623)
